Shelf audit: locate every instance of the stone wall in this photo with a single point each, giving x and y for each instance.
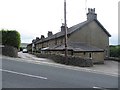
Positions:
(97, 57)
(9, 51)
(72, 60)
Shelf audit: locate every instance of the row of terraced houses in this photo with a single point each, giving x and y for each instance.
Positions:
(88, 39)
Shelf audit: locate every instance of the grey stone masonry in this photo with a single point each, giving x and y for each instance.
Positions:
(91, 14)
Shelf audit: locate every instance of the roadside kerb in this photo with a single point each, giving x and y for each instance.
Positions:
(62, 66)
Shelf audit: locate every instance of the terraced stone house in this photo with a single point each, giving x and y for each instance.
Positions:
(88, 39)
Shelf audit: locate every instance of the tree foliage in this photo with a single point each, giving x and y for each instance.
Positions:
(115, 51)
(11, 38)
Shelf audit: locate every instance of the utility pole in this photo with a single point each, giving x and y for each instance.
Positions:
(66, 51)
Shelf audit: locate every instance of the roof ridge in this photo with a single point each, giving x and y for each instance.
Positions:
(72, 29)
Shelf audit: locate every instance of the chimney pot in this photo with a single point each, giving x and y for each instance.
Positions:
(91, 14)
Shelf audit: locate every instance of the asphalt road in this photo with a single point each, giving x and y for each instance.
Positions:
(16, 74)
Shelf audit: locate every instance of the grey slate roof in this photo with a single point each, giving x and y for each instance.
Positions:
(72, 30)
(76, 46)
(60, 34)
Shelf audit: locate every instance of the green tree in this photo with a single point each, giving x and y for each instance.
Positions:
(115, 51)
(118, 51)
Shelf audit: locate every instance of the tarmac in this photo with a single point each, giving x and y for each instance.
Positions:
(109, 67)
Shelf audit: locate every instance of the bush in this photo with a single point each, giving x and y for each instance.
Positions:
(11, 38)
(115, 51)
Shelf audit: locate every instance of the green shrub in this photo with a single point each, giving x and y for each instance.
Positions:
(11, 38)
(115, 51)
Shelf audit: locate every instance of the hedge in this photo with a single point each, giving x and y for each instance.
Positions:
(115, 51)
(11, 38)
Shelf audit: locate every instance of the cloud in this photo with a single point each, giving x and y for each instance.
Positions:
(33, 18)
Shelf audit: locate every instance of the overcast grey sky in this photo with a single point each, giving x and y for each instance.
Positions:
(32, 18)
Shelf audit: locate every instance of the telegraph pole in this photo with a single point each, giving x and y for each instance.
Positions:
(65, 30)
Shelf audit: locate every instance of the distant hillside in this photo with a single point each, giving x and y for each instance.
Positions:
(24, 44)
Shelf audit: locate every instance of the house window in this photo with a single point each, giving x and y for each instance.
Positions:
(71, 52)
(61, 41)
(55, 41)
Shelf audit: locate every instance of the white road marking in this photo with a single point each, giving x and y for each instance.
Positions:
(99, 88)
(96, 87)
(24, 74)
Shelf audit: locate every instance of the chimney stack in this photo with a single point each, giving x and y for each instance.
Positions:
(33, 41)
(42, 36)
(63, 27)
(91, 14)
(50, 33)
(37, 38)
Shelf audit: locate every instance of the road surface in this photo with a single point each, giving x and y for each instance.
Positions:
(109, 67)
(17, 74)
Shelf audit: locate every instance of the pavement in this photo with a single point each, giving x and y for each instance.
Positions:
(108, 68)
(28, 56)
